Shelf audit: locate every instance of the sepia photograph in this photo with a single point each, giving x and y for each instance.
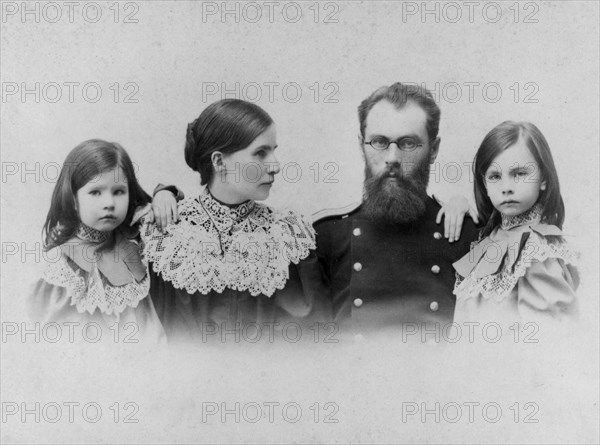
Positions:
(312, 221)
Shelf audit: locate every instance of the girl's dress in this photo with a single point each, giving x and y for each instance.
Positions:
(523, 271)
(224, 267)
(109, 289)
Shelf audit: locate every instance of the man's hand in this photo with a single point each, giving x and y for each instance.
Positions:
(455, 210)
(164, 207)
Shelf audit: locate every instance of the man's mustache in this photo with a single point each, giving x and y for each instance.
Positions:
(398, 202)
(396, 170)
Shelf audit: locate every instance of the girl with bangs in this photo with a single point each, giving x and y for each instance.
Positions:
(92, 228)
(521, 269)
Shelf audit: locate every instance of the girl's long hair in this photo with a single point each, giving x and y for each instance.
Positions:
(495, 142)
(85, 162)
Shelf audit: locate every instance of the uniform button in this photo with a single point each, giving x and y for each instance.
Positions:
(358, 302)
(437, 235)
(356, 232)
(357, 267)
(434, 306)
(435, 269)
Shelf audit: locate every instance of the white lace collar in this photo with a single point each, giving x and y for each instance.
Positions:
(246, 248)
(88, 291)
(496, 263)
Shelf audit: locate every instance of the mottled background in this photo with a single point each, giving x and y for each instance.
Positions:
(138, 72)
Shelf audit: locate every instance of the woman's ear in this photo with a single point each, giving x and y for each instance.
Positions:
(543, 185)
(217, 161)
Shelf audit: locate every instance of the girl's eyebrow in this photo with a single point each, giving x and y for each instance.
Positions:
(521, 167)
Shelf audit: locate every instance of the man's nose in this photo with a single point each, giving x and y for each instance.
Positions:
(393, 153)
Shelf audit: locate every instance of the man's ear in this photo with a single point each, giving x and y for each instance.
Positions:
(361, 146)
(217, 161)
(435, 148)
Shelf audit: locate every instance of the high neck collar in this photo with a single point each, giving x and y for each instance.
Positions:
(533, 215)
(90, 234)
(236, 212)
(231, 206)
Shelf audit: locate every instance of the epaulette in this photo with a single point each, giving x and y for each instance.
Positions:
(336, 212)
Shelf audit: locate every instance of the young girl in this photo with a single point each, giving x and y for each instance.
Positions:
(521, 269)
(98, 275)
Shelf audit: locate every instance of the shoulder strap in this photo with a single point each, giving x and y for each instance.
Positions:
(336, 211)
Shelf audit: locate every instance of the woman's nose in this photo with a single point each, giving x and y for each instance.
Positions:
(273, 166)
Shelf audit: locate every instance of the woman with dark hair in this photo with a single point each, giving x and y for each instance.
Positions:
(229, 261)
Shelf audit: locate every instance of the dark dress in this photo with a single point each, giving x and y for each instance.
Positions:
(222, 270)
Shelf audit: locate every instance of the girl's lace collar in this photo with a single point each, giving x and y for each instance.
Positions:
(90, 288)
(531, 216)
(495, 264)
(87, 233)
(222, 215)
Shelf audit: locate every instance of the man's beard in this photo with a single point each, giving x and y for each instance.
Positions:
(401, 199)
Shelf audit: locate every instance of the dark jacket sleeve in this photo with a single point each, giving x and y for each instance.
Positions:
(305, 296)
(179, 195)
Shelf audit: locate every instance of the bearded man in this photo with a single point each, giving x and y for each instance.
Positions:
(385, 263)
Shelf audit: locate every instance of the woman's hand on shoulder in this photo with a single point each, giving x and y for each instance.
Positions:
(454, 211)
(164, 209)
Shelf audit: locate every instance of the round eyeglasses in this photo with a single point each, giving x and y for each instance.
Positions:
(405, 144)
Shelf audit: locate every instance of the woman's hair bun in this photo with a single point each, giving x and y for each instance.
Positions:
(190, 146)
(225, 126)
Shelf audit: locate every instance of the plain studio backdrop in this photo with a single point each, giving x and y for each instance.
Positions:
(138, 72)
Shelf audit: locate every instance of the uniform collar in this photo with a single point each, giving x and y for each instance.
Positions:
(431, 209)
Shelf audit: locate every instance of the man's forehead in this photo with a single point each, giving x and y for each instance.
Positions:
(387, 120)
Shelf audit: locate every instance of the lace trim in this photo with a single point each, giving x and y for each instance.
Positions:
(88, 233)
(91, 294)
(224, 215)
(531, 216)
(253, 255)
(498, 286)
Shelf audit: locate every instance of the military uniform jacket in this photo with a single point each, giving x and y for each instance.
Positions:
(381, 276)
